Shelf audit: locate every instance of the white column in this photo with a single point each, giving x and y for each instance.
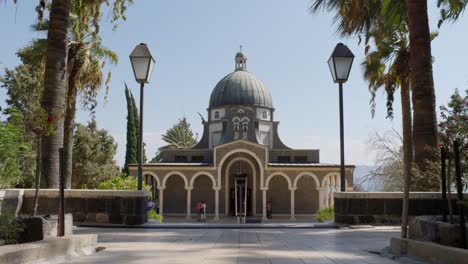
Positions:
(292, 190)
(327, 194)
(189, 201)
(161, 199)
(216, 189)
(264, 201)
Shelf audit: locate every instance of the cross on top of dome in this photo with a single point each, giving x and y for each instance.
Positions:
(241, 61)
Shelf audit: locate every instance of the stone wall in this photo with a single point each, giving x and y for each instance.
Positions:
(432, 229)
(386, 207)
(94, 206)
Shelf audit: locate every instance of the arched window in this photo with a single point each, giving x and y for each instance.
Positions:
(216, 115)
(236, 126)
(265, 115)
(245, 127)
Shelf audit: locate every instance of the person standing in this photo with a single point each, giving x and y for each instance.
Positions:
(203, 211)
(269, 206)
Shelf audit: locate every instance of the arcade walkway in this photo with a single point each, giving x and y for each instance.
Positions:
(274, 246)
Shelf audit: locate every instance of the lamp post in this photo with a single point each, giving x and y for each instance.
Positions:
(340, 63)
(142, 64)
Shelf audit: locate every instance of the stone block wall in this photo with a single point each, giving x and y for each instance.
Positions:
(432, 229)
(93, 206)
(385, 207)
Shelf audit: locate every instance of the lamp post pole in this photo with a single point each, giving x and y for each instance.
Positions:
(142, 64)
(140, 140)
(340, 63)
(342, 165)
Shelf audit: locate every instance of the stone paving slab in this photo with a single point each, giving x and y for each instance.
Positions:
(272, 246)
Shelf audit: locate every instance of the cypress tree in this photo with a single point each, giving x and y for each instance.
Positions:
(131, 148)
(137, 128)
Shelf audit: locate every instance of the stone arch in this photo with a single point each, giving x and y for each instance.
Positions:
(278, 193)
(307, 195)
(213, 180)
(201, 191)
(234, 151)
(276, 174)
(175, 173)
(175, 186)
(254, 183)
(317, 182)
(154, 175)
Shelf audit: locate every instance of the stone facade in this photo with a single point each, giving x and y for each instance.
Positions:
(241, 138)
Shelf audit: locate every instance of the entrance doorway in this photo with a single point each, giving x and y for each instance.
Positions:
(240, 197)
(232, 201)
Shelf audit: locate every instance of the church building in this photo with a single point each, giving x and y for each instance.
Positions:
(241, 163)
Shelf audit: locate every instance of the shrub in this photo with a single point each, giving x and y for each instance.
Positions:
(325, 214)
(123, 182)
(10, 228)
(153, 215)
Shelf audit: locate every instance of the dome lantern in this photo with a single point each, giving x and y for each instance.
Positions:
(241, 61)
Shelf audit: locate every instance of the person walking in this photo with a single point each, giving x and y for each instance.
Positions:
(203, 211)
(269, 206)
(199, 210)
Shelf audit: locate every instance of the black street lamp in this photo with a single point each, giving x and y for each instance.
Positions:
(142, 64)
(340, 63)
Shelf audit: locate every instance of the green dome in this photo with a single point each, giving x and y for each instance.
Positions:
(240, 88)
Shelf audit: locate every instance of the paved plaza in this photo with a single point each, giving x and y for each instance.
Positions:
(281, 246)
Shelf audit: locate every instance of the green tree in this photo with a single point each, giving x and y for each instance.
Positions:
(13, 147)
(23, 88)
(93, 156)
(131, 148)
(453, 126)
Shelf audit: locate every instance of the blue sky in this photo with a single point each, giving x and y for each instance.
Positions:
(194, 43)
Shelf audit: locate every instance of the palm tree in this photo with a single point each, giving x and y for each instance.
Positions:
(86, 59)
(422, 82)
(180, 136)
(55, 77)
(425, 120)
(387, 66)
